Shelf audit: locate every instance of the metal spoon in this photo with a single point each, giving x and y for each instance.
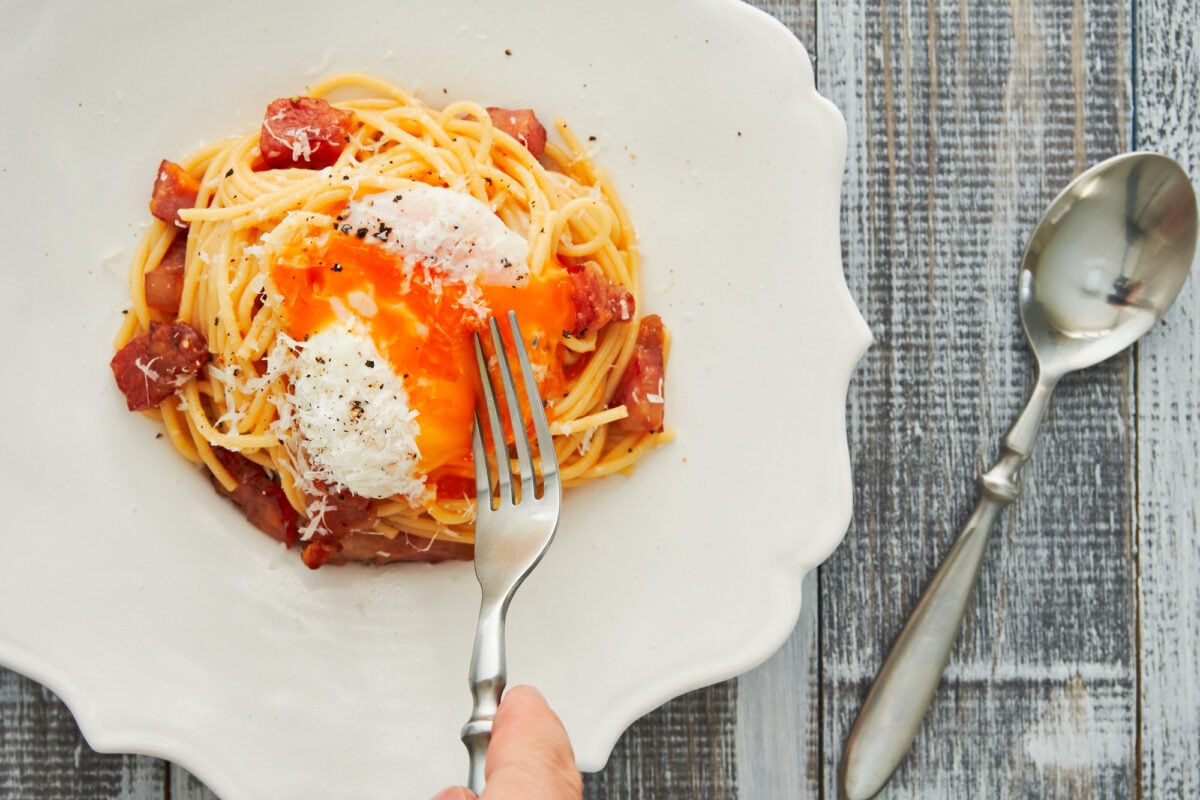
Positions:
(1103, 265)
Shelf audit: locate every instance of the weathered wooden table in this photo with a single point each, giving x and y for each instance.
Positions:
(1078, 673)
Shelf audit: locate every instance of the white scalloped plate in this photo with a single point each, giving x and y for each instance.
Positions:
(172, 628)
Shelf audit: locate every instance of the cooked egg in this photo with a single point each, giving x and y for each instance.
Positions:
(403, 282)
(353, 413)
(438, 228)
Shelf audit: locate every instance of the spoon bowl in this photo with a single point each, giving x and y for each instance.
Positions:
(1108, 258)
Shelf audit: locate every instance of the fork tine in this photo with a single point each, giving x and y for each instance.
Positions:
(503, 470)
(483, 477)
(537, 411)
(520, 439)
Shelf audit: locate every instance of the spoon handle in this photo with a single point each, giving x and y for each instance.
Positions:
(904, 688)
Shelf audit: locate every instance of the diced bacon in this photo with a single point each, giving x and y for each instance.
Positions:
(598, 301)
(174, 188)
(345, 535)
(345, 512)
(152, 366)
(321, 550)
(523, 125)
(305, 132)
(641, 387)
(373, 548)
(164, 283)
(261, 499)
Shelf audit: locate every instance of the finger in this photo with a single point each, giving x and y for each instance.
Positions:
(455, 793)
(530, 756)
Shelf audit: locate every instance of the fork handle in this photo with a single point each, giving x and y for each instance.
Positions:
(488, 678)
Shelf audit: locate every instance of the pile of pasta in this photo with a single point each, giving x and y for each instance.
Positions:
(213, 255)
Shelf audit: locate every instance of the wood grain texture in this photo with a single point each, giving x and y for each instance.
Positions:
(43, 755)
(186, 786)
(965, 120)
(684, 749)
(799, 16)
(1168, 424)
(778, 732)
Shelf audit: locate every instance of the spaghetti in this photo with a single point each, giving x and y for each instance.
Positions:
(335, 264)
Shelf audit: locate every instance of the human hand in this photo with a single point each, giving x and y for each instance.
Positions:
(530, 756)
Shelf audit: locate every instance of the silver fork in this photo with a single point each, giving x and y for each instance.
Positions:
(513, 528)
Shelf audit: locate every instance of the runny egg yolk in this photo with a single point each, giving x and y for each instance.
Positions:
(422, 322)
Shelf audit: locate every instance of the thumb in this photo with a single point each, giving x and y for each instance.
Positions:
(530, 757)
(455, 793)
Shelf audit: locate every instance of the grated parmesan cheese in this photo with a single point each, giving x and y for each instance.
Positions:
(147, 368)
(354, 421)
(443, 229)
(316, 516)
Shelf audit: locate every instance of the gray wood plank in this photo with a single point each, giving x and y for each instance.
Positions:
(966, 118)
(682, 750)
(800, 17)
(44, 757)
(186, 786)
(1168, 424)
(778, 731)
